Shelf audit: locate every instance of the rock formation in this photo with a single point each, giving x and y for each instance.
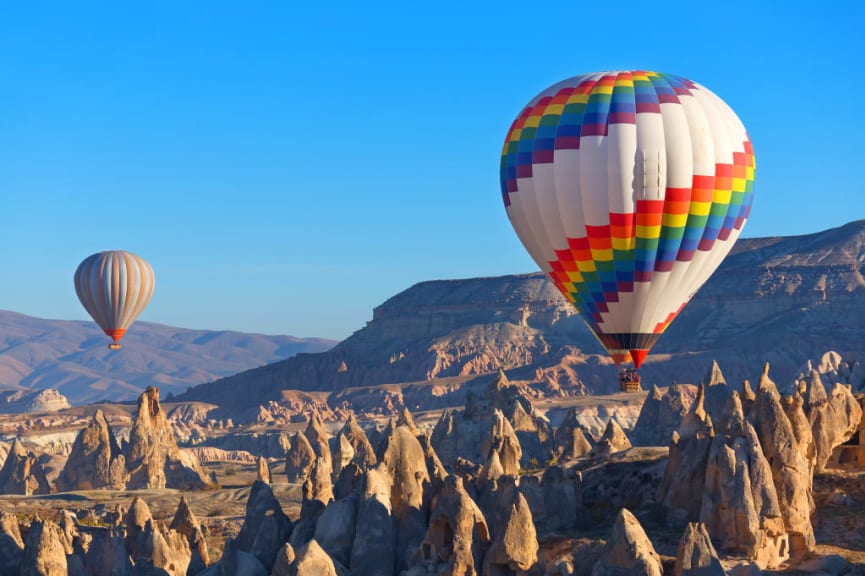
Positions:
(319, 439)
(628, 551)
(514, 548)
(44, 554)
(457, 532)
(22, 473)
(185, 523)
(466, 434)
(364, 453)
(740, 506)
(95, 460)
(576, 446)
(715, 391)
(404, 463)
(696, 556)
(41, 401)
(374, 542)
(11, 544)
(153, 459)
(562, 499)
(265, 526)
(661, 415)
(312, 560)
(686, 468)
(502, 439)
(335, 529)
(299, 459)
(262, 470)
(834, 417)
(613, 440)
(343, 453)
(790, 469)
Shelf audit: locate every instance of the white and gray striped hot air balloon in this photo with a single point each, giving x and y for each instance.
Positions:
(114, 287)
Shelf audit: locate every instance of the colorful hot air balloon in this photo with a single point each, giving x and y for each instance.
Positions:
(628, 189)
(114, 287)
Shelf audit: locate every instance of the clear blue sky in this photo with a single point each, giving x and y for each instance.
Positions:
(287, 166)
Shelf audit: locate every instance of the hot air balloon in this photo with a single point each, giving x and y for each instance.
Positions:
(628, 189)
(114, 287)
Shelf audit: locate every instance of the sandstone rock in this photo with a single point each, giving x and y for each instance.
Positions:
(349, 481)
(467, 434)
(434, 466)
(335, 529)
(790, 470)
(107, 556)
(22, 473)
(662, 414)
(161, 551)
(502, 439)
(263, 470)
(284, 559)
(11, 544)
(95, 460)
(187, 524)
(491, 471)
(153, 459)
(363, 450)
(43, 552)
(562, 499)
(570, 422)
(317, 494)
(740, 506)
(686, 468)
(373, 547)
(136, 520)
(312, 560)
(343, 454)
(319, 439)
(318, 486)
(406, 419)
(236, 562)
(613, 440)
(577, 445)
(834, 418)
(628, 551)
(793, 408)
(748, 396)
(457, 531)
(300, 458)
(404, 462)
(265, 527)
(696, 556)
(515, 545)
(716, 391)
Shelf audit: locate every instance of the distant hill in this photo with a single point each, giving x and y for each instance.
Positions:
(73, 357)
(783, 299)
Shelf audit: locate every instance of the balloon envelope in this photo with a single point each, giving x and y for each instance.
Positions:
(628, 188)
(114, 287)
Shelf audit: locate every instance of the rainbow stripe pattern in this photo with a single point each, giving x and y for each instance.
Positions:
(628, 188)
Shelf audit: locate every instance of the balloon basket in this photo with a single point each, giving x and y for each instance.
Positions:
(114, 346)
(629, 380)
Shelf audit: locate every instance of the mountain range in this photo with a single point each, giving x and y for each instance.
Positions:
(784, 300)
(73, 358)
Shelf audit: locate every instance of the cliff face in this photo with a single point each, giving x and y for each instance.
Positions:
(18, 401)
(778, 299)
